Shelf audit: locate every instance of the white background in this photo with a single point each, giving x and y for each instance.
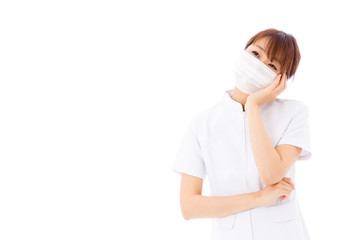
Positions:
(95, 97)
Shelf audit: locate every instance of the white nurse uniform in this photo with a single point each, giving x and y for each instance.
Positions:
(216, 144)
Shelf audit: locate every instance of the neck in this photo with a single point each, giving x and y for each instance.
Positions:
(240, 97)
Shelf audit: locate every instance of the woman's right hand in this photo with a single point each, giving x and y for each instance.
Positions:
(272, 192)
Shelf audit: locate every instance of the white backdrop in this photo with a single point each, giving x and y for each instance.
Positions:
(95, 97)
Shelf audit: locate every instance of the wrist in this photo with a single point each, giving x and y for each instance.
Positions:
(252, 100)
(251, 105)
(258, 198)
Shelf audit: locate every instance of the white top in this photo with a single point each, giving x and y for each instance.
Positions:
(216, 144)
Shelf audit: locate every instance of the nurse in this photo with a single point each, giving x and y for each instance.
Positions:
(247, 145)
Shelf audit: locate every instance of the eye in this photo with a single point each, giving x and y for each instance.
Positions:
(255, 53)
(271, 65)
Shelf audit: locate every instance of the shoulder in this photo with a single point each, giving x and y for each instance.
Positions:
(286, 106)
(293, 103)
(210, 119)
(204, 115)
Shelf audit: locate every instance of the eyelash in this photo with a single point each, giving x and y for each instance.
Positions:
(269, 64)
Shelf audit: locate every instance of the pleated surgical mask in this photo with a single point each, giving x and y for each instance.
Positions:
(251, 74)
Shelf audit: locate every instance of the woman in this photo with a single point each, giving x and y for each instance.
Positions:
(247, 145)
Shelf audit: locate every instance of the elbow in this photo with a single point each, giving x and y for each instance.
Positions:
(270, 179)
(190, 206)
(186, 217)
(186, 214)
(185, 209)
(272, 175)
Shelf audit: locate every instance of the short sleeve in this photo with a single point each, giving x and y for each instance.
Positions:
(297, 133)
(188, 158)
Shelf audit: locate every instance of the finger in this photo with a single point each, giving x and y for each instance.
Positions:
(292, 184)
(277, 80)
(284, 80)
(285, 196)
(286, 191)
(286, 188)
(288, 180)
(285, 185)
(282, 86)
(279, 87)
(288, 183)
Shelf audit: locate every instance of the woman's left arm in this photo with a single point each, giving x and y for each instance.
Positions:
(272, 163)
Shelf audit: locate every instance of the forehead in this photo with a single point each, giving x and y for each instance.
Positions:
(262, 42)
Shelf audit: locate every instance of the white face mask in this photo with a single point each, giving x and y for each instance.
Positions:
(251, 74)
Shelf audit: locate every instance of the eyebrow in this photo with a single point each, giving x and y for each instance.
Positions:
(264, 51)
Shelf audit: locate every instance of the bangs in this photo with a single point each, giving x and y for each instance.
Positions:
(279, 49)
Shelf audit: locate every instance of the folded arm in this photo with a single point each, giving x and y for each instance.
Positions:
(272, 163)
(195, 205)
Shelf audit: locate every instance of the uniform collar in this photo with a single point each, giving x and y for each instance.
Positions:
(232, 103)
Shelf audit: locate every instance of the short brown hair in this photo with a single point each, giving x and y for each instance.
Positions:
(281, 45)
